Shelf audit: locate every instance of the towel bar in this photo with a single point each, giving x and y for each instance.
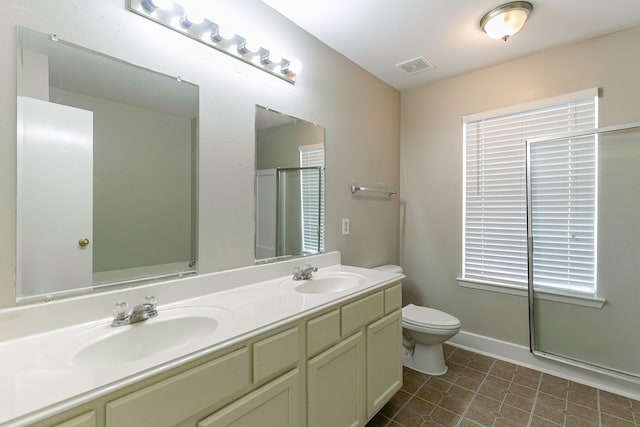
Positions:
(388, 193)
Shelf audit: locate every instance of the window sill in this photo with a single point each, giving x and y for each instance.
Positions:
(592, 302)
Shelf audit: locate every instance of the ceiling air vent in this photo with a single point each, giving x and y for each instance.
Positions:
(416, 65)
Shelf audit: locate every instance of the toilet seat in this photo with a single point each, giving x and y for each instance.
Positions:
(425, 317)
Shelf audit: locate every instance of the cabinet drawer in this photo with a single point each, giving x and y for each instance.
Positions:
(392, 298)
(84, 420)
(179, 397)
(276, 404)
(361, 312)
(323, 331)
(275, 354)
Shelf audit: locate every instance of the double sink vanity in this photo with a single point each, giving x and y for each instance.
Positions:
(243, 347)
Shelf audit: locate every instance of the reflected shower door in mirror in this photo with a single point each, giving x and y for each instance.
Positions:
(107, 156)
(289, 186)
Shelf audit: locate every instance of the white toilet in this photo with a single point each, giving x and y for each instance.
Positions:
(424, 331)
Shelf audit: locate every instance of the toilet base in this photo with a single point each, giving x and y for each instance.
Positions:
(428, 359)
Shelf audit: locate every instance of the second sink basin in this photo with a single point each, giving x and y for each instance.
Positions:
(322, 283)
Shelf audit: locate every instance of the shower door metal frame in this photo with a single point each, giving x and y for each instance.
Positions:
(530, 290)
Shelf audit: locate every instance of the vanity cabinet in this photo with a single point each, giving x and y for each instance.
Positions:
(348, 383)
(335, 368)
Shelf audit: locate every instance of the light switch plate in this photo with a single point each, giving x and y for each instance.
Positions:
(345, 226)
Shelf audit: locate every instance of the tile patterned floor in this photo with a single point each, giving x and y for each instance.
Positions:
(482, 391)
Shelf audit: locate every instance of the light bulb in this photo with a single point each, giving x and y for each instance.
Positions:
(252, 45)
(291, 67)
(274, 57)
(225, 33)
(162, 4)
(151, 5)
(193, 18)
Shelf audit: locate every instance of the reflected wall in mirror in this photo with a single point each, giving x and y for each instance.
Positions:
(289, 186)
(107, 155)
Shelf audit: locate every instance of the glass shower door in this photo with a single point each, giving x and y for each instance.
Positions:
(583, 195)
(299, 210)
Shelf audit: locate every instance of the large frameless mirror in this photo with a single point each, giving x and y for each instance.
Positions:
(107, 155)
(289, 186)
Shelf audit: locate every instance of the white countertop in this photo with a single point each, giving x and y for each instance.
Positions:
(38, 380)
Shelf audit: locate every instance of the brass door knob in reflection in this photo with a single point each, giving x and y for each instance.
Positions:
(83, 242)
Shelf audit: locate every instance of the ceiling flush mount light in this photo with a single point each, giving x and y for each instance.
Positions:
(505, 20)
(184, 17)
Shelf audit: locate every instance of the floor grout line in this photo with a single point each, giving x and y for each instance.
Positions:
(535, 401)
(598, 407)
(411, 396)
(475, 394)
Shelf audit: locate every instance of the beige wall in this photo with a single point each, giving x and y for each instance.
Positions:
(278, 147)
(431, 176)
(330, 90)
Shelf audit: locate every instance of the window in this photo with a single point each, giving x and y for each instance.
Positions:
(312, 195)
(495, 206)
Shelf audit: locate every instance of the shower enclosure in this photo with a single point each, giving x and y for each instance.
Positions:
(290, 212)
(583, 217)
(298, 210)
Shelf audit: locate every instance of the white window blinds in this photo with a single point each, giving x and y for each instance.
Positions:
(563, 214)
(312, 195)
(495, 216)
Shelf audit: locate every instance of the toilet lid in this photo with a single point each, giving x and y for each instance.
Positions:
(428, 317)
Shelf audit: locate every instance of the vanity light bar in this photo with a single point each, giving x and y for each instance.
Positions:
(178, 18)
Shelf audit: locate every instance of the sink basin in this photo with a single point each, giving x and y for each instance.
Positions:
(173, 331)
(140, 341)
(325, 283)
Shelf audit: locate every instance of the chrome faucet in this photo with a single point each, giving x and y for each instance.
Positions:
(138, 313)
(303, 273)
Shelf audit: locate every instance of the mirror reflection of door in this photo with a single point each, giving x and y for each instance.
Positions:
(289, 186)
(55, 202)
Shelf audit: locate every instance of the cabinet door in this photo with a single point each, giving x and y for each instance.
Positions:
(384, 361)
(335, 385)
(276, 404)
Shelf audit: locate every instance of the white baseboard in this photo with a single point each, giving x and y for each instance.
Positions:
(521, 355)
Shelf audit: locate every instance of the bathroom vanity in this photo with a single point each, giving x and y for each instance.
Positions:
(278, 352)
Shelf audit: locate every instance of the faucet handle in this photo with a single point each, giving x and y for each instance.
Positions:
(120, 310)
(150, 300)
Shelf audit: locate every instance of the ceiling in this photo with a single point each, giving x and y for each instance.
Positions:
(377, 34)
